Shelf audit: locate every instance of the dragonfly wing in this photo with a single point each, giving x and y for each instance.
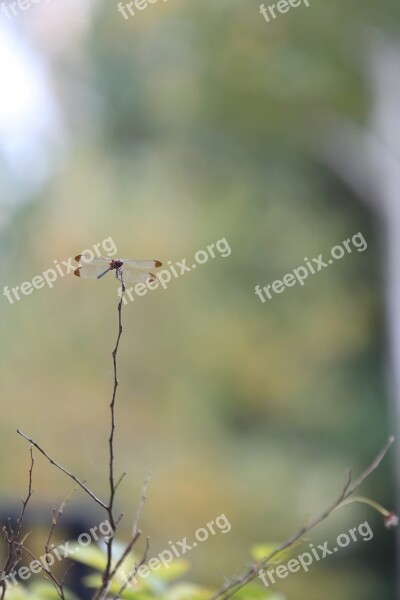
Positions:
(91, 271)
(89, 260)
(141, 264)
(130, 275)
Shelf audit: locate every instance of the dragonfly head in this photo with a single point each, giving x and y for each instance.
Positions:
(116, 264)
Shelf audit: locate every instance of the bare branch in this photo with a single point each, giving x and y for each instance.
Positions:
(29, 494)
(108, 506)
(120, 480)
(58, 585)
(135, 570)
(61, 468)
(141, 504)
(230, 588)
(107, 575)
(55, 517)
(126, 552)
(12, 537)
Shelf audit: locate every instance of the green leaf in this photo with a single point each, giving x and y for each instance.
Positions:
(173, 571)
(254, 591)
(183, 591)
(92, 556)
(260, 551)
(18, 593)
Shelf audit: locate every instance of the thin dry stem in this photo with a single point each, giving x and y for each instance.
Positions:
(58, 585)
(231, 587)
(135, 570)
(13, 536)
(61, 468)
(107, 575)
(108, 506)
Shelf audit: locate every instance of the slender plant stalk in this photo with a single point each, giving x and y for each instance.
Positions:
(231, 587)
(109, 505)
(107, 575)
(12, 536)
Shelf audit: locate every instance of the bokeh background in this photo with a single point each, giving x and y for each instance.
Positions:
(190, 122)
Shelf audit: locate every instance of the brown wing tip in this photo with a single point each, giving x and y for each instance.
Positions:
(158, 263)
(78, 258)
(77, 272)
(152, 277)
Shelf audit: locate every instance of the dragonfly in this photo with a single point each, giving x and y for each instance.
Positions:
(126, 270)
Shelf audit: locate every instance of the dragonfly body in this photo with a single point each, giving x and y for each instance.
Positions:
(126, 270)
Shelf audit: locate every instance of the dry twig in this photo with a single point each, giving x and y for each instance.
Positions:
(231, 587)
(110, 569)
(15, 543)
